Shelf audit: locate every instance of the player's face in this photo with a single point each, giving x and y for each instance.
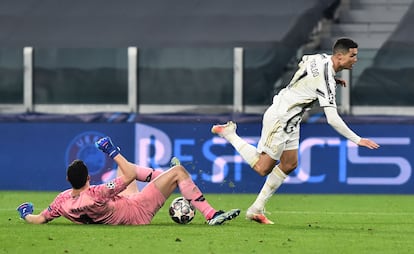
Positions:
(349, 59)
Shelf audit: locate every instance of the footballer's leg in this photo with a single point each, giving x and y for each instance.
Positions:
(131, 189)
(257, 161)
(144, 174)
(178, 176)
(274, 180)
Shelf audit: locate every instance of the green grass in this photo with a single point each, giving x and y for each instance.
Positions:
(304, 224)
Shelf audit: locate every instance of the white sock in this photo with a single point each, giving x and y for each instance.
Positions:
(247, 151)
(273, 182)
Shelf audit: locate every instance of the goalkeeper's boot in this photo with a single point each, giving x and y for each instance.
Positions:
(258, 217)
(175, 162)
(224, 129)
(221, 216)
(105, 145)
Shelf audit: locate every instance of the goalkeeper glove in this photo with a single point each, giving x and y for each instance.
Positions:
(105, 145)
(25, 209)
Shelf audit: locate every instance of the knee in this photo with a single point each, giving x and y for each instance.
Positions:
(179, 170)
(292, 165)
(262, 171)
(288, 167)
(264, 165)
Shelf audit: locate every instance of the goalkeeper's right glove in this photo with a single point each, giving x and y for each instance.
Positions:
(105, 145)
(25, 209)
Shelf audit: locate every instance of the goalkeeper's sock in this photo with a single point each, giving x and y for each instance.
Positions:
(145, 174)
(191, 192)
(247, 151)
(273, 182)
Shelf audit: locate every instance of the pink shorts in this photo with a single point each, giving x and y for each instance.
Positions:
(147, 202)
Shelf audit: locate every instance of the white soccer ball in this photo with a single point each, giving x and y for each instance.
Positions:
(181, 211)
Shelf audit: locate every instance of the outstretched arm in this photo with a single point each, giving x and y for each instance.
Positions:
(339, 125)
(128, 169)
(35, 219)
(26, 213)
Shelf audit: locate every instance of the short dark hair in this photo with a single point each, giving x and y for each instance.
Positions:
(343, 45)
(77, 174)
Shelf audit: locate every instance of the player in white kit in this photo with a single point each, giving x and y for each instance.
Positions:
(313, 82)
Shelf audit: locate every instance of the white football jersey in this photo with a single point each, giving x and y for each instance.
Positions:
(314, 80)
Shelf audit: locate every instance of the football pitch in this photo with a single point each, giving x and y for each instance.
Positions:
(303, 224)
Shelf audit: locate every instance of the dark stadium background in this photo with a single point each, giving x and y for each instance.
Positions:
(75, 67)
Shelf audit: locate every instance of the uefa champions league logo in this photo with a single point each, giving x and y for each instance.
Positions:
(101, 167)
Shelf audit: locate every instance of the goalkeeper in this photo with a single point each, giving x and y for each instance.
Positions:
(103, 204)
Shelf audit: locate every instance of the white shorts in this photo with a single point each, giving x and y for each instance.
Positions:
(274, 139)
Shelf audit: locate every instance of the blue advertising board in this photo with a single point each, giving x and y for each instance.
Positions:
(327, 162)
(34, 156)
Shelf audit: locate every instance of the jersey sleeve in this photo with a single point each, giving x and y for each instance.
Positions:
(109, 190)
(339, 125)
(53, 211)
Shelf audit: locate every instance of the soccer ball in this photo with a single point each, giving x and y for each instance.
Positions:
(181, 211)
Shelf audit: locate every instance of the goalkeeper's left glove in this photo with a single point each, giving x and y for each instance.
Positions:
(105, 145)
(25, 209)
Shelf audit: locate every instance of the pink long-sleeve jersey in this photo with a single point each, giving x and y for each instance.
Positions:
(101, 204)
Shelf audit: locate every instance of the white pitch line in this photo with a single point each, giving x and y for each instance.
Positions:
(347, 213)
(308, 212)
(8, 209)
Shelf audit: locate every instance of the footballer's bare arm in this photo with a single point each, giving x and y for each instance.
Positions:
(35, 219)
